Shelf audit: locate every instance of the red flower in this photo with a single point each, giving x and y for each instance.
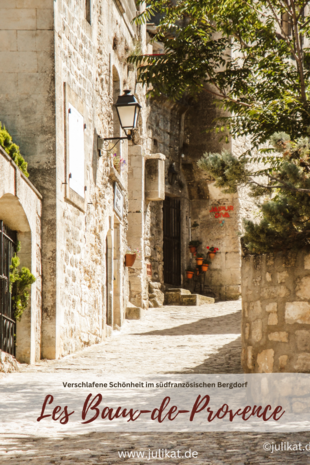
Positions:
(207, 247)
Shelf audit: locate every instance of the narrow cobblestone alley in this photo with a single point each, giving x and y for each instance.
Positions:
(169, 340)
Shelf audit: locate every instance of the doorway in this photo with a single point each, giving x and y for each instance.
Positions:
(172, 241)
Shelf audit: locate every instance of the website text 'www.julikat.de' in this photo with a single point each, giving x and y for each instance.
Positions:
(158, 454)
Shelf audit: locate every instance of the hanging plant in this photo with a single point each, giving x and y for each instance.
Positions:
(212, 251)
(20, 282)
(12, 150)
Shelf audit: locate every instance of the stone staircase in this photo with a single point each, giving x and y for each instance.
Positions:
(179, 296)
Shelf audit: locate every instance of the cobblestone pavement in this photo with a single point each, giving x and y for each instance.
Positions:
(169, 340)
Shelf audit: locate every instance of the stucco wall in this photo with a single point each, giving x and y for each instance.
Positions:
(276, 312)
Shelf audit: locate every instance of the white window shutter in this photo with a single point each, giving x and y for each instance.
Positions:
(76, 151)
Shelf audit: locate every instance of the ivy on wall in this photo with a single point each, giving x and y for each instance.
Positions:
(20, 282)
(12, 150)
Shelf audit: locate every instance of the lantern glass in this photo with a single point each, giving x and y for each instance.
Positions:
(128, 110)
(128, 116)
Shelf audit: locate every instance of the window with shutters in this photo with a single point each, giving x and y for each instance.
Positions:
(76, 151)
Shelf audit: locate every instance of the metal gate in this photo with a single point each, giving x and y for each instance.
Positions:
(7, 320)
(172, 241)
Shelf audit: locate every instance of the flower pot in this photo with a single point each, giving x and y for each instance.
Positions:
(192, 249)
(204, 267)
(130, 259)
(199, 260)
(189, 274)
(211, 255)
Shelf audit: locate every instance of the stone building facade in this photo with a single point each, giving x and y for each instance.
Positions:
(63, 67)
(64, 64)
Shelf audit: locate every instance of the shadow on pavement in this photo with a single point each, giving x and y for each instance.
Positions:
(224, 324)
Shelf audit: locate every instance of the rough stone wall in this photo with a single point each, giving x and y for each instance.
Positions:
(49, 53)
(276, 312)
(164, 131)
(27, 109)
(91, 60)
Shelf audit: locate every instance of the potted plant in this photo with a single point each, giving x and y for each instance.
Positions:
(212, 251)
(130, 256)
(189, 273)
(193, 245)
(199, 259)
(205, 264)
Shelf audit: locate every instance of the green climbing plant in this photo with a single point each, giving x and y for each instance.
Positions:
(12, 150)
(20, 282)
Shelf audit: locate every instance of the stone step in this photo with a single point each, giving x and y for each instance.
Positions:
(196, 300)
(173, 296)
(133, 312)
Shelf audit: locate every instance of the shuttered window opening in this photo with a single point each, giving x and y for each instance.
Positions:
(76, 151)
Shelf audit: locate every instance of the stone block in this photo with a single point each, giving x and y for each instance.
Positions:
(297, 312)
(232, 292)
(268, 277)
(31, 83)
(196, 299)
(281, 277)
(34, 3)
(247, 331)
(303, 340)
(282, 362)
(281, 336)
(303, 363)
(8, 363)
(265, 361)
(256, 330)
(274, 292)
(45, 19)
(250, 358)
(17, 19)
(134, 313)
(307, 262)
(8, 83)
(8, 41)
(26, 41)
(272, 307)
(303, 288)
(272, 319)
(255, 310)
(155, 179)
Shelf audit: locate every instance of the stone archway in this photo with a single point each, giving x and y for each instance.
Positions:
(14, 217)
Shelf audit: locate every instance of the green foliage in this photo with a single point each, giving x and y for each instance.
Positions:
(228, 170)
(190, 268)
(283, 193)
(195, 244)
(12, 150)
(238, 51)
(207, 261)
(20, 282)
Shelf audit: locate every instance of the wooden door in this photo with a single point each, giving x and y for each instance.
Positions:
(172, 241)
